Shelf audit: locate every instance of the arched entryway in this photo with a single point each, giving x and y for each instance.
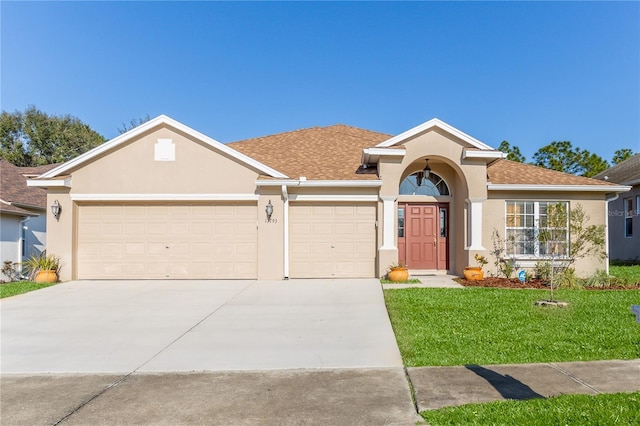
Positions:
(423, 221)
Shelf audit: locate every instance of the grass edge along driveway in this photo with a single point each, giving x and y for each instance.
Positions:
(442, 327)
(603, 409)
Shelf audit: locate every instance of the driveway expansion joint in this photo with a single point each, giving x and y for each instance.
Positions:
(94, 397)
(573, 377)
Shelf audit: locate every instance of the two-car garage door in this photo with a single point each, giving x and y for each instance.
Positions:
(171, 241)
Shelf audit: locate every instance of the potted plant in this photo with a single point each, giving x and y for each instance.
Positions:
(398, 272)
(43, 268)
(474, 273)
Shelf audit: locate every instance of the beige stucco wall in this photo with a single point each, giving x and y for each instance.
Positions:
(61, 233)
(132, 169)
(466, 180)
(494, 209)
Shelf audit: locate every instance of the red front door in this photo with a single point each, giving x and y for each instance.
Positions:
(422, 236)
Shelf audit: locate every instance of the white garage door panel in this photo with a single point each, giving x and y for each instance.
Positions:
(332, 240)
(174, 241)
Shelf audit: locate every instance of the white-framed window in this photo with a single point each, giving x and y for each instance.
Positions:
(628, 217)
(417, 184)
(537, 229)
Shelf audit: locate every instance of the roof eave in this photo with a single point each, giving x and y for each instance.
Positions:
(557, 188)
(321, 183)
(431, 124)
(372, 155)
(484, 154)
(50, 183)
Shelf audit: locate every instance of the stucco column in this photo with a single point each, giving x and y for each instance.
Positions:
(474, 217)
(388, 224)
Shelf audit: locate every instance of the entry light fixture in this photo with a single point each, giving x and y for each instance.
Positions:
(269, 211)
(56, 209)
(426, 169)
(423, 174)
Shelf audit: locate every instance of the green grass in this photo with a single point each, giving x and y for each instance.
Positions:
(438, 326)
(409, 281)
(629, 274)
(19, 287)
(604, 409)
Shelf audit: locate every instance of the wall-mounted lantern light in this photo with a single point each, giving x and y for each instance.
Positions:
(269, 211)
(56, 209)
(423, 174)
(426, 169)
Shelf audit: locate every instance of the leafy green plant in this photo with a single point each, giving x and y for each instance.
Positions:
(542, 270)
(480, 260)
(42, 262)
(508, 267)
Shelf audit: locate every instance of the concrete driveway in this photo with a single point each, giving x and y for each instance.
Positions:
(160, 326)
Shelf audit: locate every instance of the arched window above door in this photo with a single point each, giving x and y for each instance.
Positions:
(432, 185)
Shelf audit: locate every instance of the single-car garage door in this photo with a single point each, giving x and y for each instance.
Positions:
(330, 240)
(173, 241)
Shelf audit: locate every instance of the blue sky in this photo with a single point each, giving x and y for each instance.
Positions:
(529, 73)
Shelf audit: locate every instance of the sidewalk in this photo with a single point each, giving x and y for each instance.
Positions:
(437, 387)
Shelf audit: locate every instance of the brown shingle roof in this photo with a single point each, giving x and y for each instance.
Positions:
(331, 153)
(14, 191)
(511, 172)
(624, 172)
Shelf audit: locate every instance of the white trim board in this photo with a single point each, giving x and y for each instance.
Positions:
(164, 197)
(434, 122)
(568, 188)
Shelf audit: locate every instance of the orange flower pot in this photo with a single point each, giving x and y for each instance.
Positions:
(46, 277)
(398, 274)
(473, 273)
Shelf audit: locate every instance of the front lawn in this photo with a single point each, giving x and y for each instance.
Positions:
(628, 274)
(19, 287)
(439, 326)
(604, 409)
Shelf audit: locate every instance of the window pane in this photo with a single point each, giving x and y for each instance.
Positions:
(443, 222)
(401, 223)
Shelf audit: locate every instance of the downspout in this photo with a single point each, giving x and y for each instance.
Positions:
(285, 218)
(606, 228)
(23, 241)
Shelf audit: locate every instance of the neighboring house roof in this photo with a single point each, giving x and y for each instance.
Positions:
(15, 196)
(626, 172)
(322, 153)
(506, 172)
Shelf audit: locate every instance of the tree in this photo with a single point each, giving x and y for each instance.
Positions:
(621, 154)
(561, 156)
(133, 124)
(513, 152)
(564, 238)
(35, 138)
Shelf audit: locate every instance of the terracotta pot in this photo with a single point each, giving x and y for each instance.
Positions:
(46, 277)
(398, 274)
(473, 273)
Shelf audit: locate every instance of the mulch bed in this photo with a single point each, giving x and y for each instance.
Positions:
(498, 282)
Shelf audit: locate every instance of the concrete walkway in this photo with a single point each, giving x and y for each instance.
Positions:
(437, 387)
(428, 281)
